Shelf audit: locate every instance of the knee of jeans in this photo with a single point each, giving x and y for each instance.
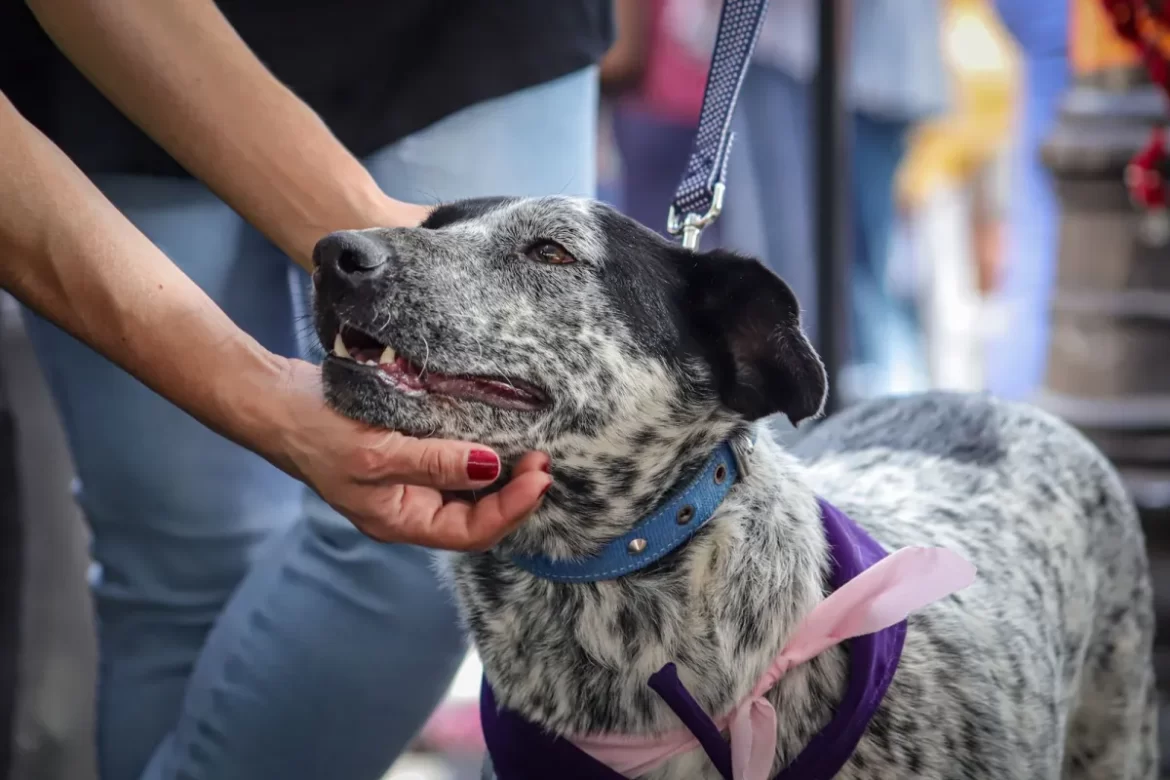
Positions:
(337, 555)
(142, 570)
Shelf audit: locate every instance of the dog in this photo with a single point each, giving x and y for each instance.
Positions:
(559, 325)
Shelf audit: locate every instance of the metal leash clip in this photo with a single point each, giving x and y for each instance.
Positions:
(691, 226)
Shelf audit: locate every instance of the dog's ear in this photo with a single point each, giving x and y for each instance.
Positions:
(747, 321)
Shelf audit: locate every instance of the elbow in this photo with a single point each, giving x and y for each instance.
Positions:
(620, 74)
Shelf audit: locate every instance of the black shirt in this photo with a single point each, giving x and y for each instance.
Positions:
(375, 70)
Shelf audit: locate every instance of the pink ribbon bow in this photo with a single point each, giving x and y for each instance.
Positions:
(881, 596)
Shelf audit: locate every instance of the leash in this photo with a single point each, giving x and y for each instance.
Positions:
(698, 200)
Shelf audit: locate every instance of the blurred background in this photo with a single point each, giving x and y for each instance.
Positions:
(990, 243)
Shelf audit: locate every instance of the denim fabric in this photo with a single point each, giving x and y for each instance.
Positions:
(886, 333)
(769, 212)
(654, 152)
(11, 580)
(895, 61)
(1016, 360)
(246, 630)
(768, 209)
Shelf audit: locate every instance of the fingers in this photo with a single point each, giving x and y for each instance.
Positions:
(437, 463)
(419, 515)
(532, 461)
(481, 525)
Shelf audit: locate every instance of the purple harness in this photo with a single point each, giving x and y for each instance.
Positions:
(521, 750)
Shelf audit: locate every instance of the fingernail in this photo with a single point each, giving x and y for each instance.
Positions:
(483, 466)
(547, 467)
(546, 487)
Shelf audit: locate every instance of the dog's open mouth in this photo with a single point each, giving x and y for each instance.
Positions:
(366, 351)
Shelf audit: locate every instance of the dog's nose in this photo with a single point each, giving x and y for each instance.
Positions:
(351, 255)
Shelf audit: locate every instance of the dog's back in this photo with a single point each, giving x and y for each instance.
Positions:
(1046, 660)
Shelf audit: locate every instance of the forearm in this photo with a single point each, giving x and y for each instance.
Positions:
(624, 64)
(179, 70)
(68, 254)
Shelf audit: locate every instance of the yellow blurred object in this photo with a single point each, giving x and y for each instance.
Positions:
(984, 69)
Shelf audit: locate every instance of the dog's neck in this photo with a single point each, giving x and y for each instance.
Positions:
(604, 486)
(672, 523)
(576, 658)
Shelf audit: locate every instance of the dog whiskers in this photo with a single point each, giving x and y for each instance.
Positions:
(422, 372)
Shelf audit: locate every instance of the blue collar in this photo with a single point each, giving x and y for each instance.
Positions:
(673, 523)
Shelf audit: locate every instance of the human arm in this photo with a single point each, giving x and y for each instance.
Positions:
(623, 65)
(68, 254)
(991, 192)
(181, 73)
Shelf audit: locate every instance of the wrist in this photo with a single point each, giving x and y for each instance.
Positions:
(363, 207)
(252, 404)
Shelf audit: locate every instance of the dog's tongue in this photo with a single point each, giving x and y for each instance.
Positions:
(492, 391)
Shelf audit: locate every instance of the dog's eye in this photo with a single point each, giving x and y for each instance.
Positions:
(549, 252)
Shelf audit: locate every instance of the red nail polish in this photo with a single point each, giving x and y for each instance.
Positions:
(483, 466)
(547, 467)
(546, 487)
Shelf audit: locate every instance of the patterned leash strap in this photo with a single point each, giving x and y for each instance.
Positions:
(699, 197)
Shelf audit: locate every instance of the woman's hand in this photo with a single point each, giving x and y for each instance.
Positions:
(388, 484)
(68, 254)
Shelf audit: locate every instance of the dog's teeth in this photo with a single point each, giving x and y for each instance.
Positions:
(339, 347)
(388, 356)
(368, 363)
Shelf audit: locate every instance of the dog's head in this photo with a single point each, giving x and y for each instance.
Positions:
(558, 324)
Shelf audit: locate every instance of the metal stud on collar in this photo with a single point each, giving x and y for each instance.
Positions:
(636, 546)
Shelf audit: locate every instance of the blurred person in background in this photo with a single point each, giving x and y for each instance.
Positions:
(951, 190)
(620, 69)
(895, 78)
(654, 84)
(246, 629)
(1016, 359)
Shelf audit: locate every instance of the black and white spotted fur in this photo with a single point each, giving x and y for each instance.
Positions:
(650, 355)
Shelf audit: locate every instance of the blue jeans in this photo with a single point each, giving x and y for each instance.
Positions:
(654, 152)
(1016, 360)
(768, 208)
(246, 630)
(886, 331)
(769, 212)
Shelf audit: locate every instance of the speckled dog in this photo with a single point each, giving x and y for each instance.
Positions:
(559, 325)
